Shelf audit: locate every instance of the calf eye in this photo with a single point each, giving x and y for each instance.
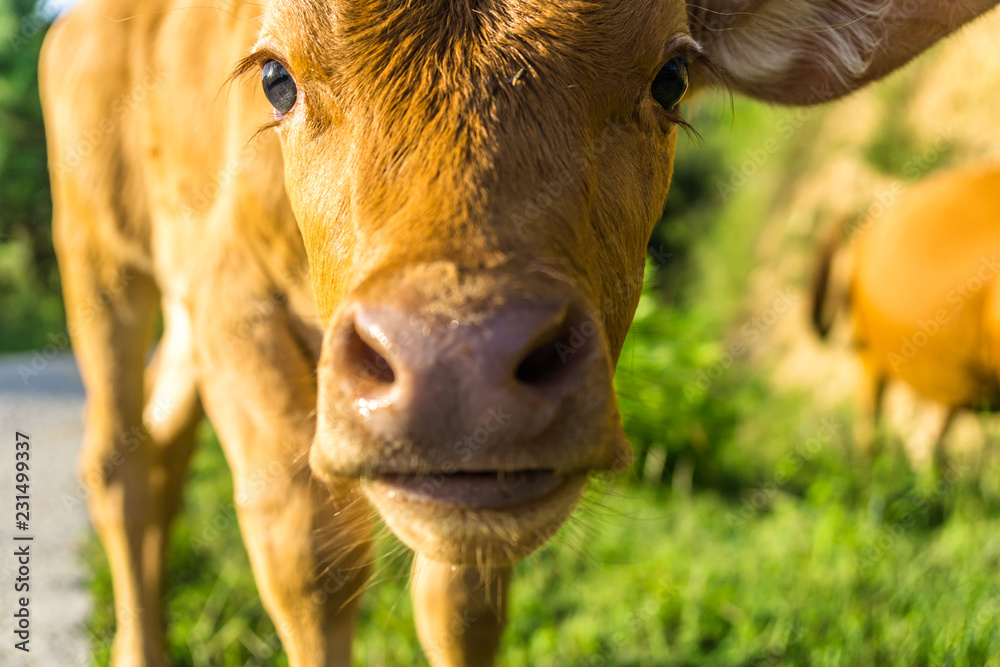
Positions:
(671, 83)
(278, 86)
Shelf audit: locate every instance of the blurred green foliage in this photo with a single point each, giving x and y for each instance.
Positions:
(682, 380)
(30, 305)
(895, 149)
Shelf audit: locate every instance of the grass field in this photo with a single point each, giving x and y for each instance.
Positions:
(818, 564)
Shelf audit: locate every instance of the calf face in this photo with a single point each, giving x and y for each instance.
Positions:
(475, 184)
(493, 179)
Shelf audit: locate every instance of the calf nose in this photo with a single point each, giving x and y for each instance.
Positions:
(469, 391)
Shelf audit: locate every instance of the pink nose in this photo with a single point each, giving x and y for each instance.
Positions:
(526, 385)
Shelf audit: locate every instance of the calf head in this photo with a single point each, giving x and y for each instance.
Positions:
(476, 182)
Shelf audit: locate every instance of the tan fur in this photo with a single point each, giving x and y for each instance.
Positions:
(454, 160)
(811, 52)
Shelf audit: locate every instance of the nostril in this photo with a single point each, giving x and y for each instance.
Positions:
(541, 363)
(559, 352)
(370, 365)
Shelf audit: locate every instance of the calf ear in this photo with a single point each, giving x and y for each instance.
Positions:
(811, 51)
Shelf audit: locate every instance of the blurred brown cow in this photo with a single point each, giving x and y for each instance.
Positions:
(473, 184)
(920, 283)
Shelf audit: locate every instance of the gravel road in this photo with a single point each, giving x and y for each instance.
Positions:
(43, 398)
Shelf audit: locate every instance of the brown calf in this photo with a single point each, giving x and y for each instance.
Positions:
(470, 183)
(920, 283)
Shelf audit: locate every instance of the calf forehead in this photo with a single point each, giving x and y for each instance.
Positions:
(468, 85)
(439, 45)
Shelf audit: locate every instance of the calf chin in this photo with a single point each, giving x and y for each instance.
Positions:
(458, 534)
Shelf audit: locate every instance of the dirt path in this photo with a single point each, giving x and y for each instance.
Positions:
(44, 399)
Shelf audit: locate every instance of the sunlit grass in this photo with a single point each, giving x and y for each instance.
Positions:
(836, 566)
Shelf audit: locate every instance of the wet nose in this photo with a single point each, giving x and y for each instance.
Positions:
(417, 380)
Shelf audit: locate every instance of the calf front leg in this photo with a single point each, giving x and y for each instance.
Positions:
(308, 545)
(460, 612)
(308, 541)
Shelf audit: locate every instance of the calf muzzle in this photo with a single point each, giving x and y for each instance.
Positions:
(471, 404)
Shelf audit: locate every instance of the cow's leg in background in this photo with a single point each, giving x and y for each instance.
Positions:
(138, 444)
(870, 402)
(460, 612)
(940, 453)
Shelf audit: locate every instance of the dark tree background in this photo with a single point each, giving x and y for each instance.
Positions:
(24, 178)
(29, 282)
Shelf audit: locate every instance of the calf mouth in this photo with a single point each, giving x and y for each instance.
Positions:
(475, 517)
(496, 490)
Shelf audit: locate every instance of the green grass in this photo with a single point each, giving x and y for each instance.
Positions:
(824, 564)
